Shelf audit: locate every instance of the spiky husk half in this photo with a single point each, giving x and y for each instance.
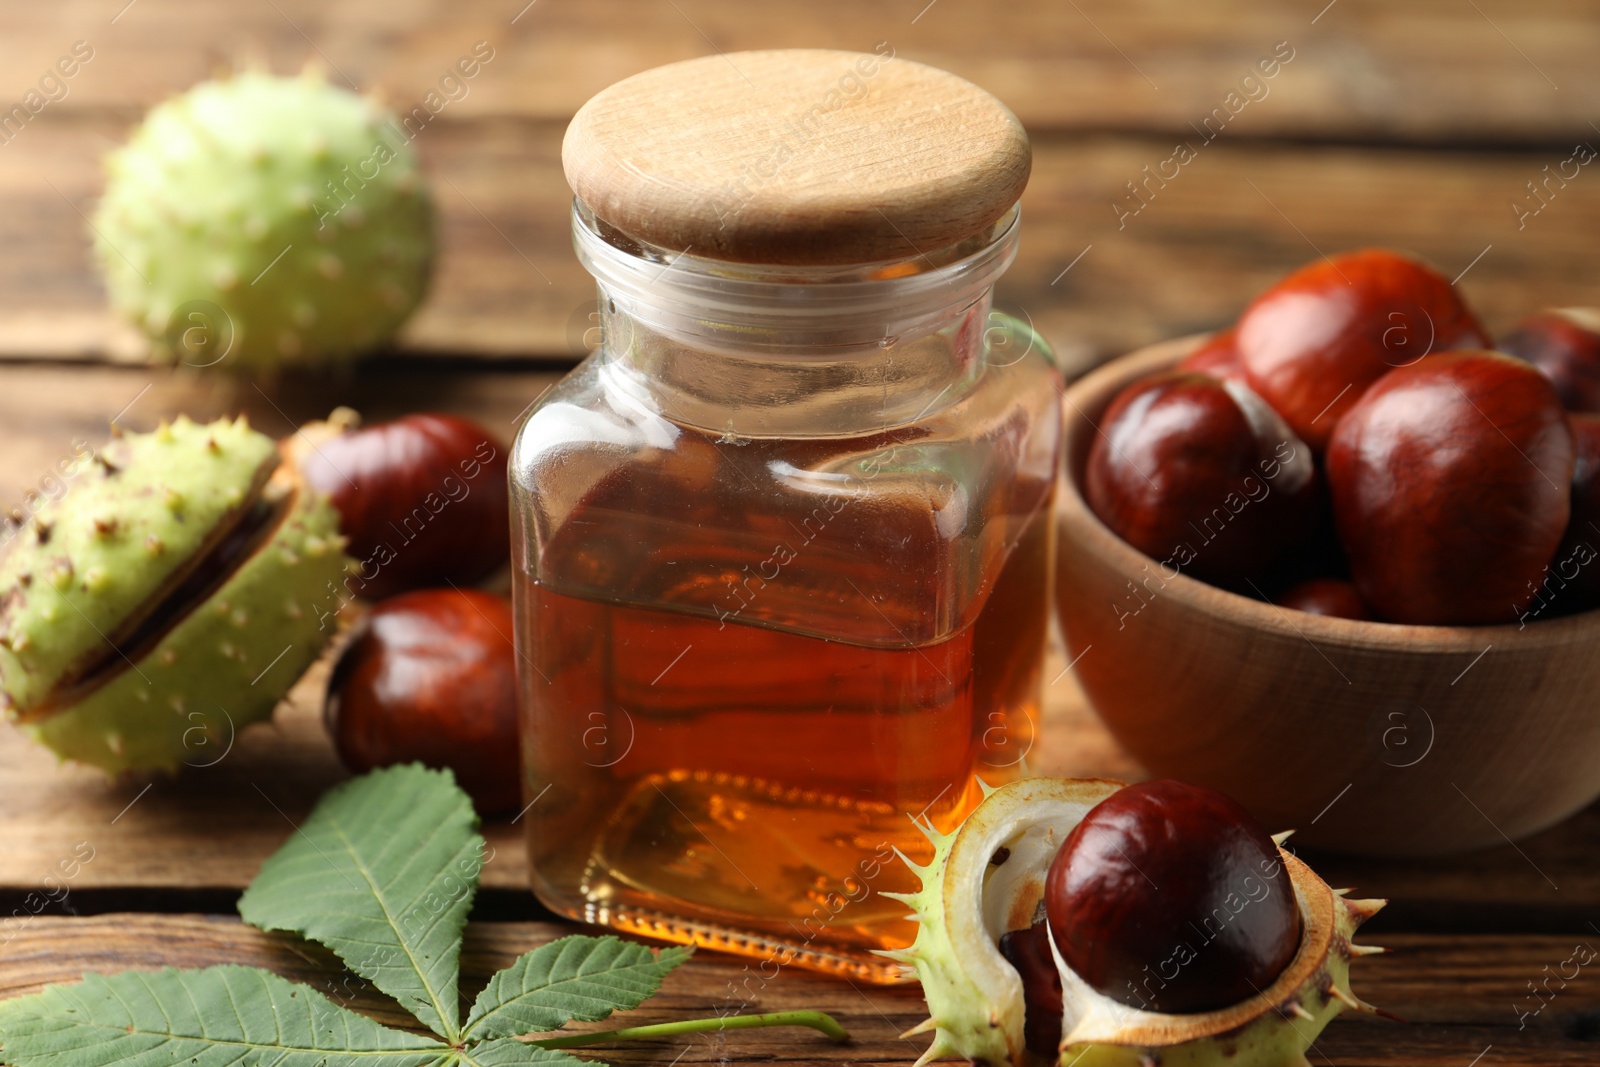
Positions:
(975, 998)
(169, 600)
(136, 521)
(223, 667)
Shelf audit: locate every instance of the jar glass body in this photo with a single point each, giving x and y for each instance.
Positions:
(782, 581)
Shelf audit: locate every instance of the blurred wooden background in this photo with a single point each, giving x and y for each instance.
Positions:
(1414, 125)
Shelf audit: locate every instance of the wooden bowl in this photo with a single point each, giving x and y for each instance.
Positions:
(1365, 737)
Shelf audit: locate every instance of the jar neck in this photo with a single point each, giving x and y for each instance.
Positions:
(773, 351)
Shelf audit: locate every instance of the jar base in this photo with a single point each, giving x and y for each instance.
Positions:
(857, 965)
(734, 863)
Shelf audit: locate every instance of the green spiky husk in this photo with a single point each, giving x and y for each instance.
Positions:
(975, 998)
(224, 666)
(261, 220)
(126, 526)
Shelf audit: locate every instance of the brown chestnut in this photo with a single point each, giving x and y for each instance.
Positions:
(1451, 483)
(423, 500)
(1028, 952)
(431, 676)
(1565, 344)
(1325, 596)
(1573, 581)
(1202, 476)
(1218, 356)
(1170, 897)
(1315, 341)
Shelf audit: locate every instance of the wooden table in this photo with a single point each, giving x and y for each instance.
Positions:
(1417, 126)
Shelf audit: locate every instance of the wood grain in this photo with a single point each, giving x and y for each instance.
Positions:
(1100, 271)
(1459, 994)
(1426, 71)
(212, 825)
(210, 828)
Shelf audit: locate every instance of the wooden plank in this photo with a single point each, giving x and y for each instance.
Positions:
(1187, 257)
(211, 827)
(44, 407)
(506, 282)
(1361, 69)
(1459, 994)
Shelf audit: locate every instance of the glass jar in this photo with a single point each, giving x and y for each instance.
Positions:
(783, 553)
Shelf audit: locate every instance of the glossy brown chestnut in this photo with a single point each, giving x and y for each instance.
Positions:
(423, 500)
(1171, 898)
(1217, 356)
(1028, 952)
(431, 676)
(1565, 344)
(1573, 581)
(1200, 475)
(1314, 342)
(1326, 596)
(1451, 483)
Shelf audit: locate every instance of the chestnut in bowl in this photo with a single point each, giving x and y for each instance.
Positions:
(1573, 581)
(1564, 343)
(1202, 476)
(423, 500)
(1325, 596)
(1314, 342)
(1451, 483)
(1217, 356)
(431, 676)
(1372, 738)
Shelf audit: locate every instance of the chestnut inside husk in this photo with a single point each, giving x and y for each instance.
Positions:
(1170, 896)
(977, 998)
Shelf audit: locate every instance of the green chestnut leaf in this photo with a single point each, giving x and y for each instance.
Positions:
(576, 978)
(509, 1052)
(383, 872)
(217, 1017)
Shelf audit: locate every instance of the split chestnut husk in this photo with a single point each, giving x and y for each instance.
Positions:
(987, 880)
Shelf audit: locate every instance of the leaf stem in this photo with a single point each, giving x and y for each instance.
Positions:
(816, 1020)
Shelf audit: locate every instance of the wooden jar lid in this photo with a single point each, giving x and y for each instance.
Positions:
(802, 156)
